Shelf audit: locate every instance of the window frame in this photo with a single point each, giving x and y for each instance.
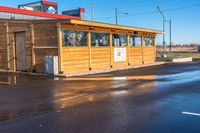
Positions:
(152, 41)
(120, 44)
(134, 44)
(108, 37)
(75, 31)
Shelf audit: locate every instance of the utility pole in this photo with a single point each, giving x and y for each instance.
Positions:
(170, 36)
(163, 29)
(92, 12)
(116, 16)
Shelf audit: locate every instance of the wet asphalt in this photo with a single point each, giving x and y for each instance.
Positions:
(158, 99)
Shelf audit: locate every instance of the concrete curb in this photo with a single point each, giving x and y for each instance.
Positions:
(180, 60)
(88, 72)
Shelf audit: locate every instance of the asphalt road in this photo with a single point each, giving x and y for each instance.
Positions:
(159, 99)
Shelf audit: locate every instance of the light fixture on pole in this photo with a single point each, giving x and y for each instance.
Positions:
(163, 29)
(116, 15)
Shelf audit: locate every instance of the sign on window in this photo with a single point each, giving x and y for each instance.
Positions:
(119, 54)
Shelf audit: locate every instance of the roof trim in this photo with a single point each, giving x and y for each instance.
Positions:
(49, 3)
(105, 25)
(36, 13)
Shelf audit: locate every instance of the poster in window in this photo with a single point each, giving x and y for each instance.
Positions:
(119, 54)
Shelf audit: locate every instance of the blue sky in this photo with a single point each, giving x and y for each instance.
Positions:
(185, 21)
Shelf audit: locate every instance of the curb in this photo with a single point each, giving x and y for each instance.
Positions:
(87, 73)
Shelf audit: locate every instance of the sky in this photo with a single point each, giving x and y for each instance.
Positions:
(185, 15)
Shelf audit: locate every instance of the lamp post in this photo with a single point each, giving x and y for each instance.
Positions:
(116, 15)
(163, 29)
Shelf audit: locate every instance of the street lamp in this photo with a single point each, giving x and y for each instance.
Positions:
(163, 29)
(116, 15)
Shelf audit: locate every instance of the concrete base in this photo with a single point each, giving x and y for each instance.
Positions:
(113, 69)
(179, 60)
(88, 72)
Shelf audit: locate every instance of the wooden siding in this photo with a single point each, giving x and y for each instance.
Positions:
(45, 42)
(149, 54)
(3, 62)
(100, 57)
(136, 55)
(75, 59)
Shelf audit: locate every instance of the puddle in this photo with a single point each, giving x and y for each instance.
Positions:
(4, 80)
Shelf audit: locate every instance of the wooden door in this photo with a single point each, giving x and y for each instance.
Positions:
(20, 51)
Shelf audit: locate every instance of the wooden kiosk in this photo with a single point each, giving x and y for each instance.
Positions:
(81, 46)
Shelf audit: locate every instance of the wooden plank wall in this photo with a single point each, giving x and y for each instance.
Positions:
(100, 57)
(3, 54)
(149, 54)
(75, 59)
(136, 55)
(45, 41)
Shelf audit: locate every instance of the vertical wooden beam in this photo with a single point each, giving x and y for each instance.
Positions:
(60, 54)
(14, 53)
(32, 47)
(89, 49)
(143, 50)
(7, 45)
(154, 44)
(128, 41)
(111, 50)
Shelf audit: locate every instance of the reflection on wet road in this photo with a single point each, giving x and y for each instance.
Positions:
(135, 100)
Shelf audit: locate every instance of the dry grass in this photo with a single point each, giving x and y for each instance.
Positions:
(179, 55)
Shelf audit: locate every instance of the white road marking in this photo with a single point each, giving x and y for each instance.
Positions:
(190, 113)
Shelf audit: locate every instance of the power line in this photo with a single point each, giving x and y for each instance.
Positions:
(127, 6)
(154, 12)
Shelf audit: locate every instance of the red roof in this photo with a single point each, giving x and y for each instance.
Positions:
(49, 3)
(36, 13)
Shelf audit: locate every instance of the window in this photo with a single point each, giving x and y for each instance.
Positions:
(119, 40)
(100, 39)
(148, 41)
(74, 38)
(135, 41)
(132, 40)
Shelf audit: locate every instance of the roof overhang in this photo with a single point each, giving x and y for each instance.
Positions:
(111, 26)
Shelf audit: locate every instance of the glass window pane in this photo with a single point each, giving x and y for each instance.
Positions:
(148, 41)
(119, 40)
(100, 39)
(132, 40)
(138, 41)
(74, 38)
